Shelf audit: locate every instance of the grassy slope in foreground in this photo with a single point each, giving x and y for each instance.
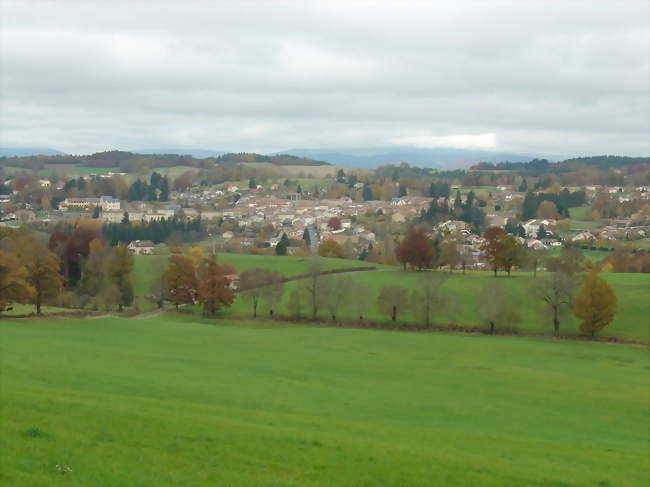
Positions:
(178, 401)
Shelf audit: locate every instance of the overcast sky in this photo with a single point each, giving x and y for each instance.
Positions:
(546, 77)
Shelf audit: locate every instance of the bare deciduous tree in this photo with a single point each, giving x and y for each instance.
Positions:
(294, 305)
(557, 291)
(494, 306)
(336, 291)
(260, 286)
(392, 299)
(360, 300)
(313, 285)
(428, 296)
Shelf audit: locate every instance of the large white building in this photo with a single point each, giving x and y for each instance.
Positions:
(106, 203)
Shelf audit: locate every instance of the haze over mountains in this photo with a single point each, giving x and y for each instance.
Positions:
(439, 157)
(28, 151)
(361, 157)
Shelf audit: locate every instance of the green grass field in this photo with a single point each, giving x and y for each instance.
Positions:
(26, 309)
(580, 212)
(289, 266)
(178, 401)
(592, 255)
(632, 291)
(631, 321)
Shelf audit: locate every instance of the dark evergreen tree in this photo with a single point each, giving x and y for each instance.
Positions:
(151, 193)
(164, 189)
(367, 193)
(470, 200)
(306, 237)
(523, 187)
(529, 207)
(283, 244)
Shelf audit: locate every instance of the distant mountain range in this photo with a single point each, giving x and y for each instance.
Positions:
(441, 158)
(28, 151)
(362, 157)
(197, 153)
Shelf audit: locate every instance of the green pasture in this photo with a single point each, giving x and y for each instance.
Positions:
(176, 400)
(76, 170)
(463, 291)
(592, 255)
(147, 267)
(632, 290)
(26, 309)
(580, 212)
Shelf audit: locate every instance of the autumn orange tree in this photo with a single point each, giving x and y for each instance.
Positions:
(510, 253)
(214, 292)
(180, 279)
(490, 248)
(415, 250)
(595, 304)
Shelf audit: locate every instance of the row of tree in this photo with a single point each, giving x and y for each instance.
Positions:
(590, 298)
(73, 271)
(155, 230)
(191, 277)
(156, 190)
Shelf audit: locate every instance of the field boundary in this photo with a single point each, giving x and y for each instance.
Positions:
(298, 277)
(448, 328)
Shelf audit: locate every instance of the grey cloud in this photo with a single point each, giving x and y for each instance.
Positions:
(565, 78)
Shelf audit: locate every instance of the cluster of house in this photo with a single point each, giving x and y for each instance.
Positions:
(620, 231)
(293, 216)
(469, 244)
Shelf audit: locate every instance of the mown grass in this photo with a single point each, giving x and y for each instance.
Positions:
(180, 401)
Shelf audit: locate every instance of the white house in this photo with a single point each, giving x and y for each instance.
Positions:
(141, 247)
(108, 203)
(531, 227)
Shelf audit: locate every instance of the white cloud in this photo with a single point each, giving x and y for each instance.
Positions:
(568, 78)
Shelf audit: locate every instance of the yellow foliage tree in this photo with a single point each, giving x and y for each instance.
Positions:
(595, 304)
(42, 270)
(13, 281)
(331, 248)
(548, 210)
